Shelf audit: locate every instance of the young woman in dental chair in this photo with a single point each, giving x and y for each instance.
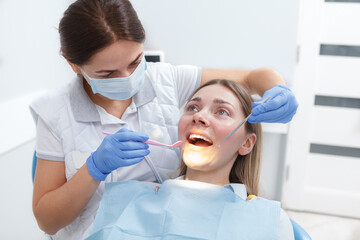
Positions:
(214, 197)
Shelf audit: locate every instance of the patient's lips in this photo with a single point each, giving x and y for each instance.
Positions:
(199, 140)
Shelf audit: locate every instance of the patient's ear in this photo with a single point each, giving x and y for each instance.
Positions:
(248, 144)
(74, 67)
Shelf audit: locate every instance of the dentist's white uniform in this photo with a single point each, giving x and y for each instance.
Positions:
(70, 125)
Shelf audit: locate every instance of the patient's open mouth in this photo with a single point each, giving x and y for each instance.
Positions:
(199, 140)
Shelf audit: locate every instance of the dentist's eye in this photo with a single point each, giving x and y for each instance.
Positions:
(134, 65)
(108, 75)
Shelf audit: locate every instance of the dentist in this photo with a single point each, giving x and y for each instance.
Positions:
(114, 89)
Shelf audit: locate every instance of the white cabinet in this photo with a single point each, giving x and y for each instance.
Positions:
(323, 152)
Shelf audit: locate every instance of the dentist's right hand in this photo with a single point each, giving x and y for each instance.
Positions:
(123, 148)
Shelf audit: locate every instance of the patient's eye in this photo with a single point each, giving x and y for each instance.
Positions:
(192, 108)
(223, 112)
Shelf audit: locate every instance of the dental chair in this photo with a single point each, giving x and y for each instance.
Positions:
(34, 166)
(299, 232)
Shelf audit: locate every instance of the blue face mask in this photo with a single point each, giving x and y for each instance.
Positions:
(121, 88)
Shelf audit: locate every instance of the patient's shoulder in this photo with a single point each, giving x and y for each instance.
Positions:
(286, 231)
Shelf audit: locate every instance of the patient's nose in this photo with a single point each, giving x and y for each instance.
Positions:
(199, 118)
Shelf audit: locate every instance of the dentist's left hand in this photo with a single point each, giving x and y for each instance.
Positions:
(123, 148)
(280, 108)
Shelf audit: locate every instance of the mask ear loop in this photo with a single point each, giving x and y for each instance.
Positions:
(84, 73)
(88, 80)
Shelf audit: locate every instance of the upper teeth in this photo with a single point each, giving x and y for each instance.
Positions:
(193, 136)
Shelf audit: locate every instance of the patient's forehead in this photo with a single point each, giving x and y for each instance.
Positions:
(216, 94)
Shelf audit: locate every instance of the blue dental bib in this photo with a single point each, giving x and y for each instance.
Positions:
(182, 210)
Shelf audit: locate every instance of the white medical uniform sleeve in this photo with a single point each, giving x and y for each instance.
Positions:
(187, 80)
(48, 146)
(286, 231)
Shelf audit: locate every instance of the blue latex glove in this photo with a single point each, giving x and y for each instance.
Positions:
(123, 148)
(280, 108)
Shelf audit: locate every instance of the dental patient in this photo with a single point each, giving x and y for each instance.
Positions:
(214, 197)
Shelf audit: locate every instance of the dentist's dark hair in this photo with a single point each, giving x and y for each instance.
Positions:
(246, 168)
(91, 25)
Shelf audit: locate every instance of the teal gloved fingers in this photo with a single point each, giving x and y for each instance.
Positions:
(123, 148)
(280, 108)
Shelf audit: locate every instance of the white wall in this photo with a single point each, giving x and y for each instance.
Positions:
(223, 34)
(16, 217)
(30, 57)
(29, 62)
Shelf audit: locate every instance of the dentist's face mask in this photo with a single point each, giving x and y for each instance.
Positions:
(121, 88)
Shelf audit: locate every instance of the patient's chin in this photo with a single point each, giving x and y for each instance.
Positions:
(197, 159)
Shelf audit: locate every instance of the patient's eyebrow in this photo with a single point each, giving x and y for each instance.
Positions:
(195, 99)
(220, 101)
(216, 101)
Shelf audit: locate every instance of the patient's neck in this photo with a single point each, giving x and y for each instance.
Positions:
(216, 178)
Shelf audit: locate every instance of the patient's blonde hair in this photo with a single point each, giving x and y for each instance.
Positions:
(246, 169)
